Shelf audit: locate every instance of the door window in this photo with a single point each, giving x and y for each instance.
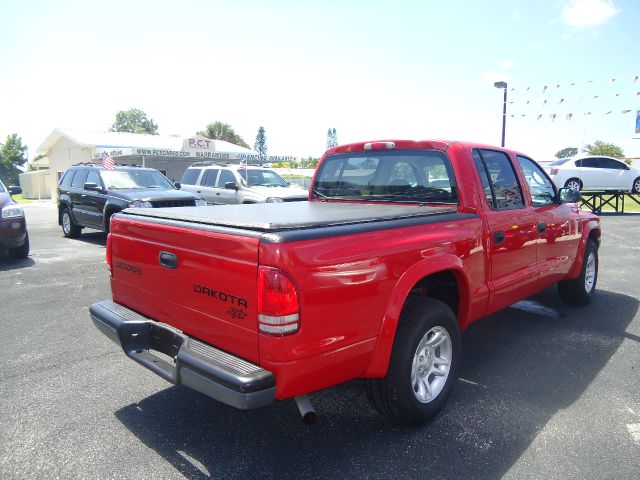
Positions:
(94, 178)
(190, 176)
(592, 162)
(613, 164)
(541, 188)
(66, 180)
(79, 178)
(209, 177)
(506, 193)
(225, 177)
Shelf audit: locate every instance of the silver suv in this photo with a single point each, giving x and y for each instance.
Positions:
(222, 183)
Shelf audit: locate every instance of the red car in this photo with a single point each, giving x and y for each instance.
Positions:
(402, 245)
(13, 226)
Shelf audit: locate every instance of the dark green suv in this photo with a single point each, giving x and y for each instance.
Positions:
(89, 194)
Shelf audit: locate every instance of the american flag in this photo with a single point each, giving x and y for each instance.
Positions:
(243, 164)
(108, 162)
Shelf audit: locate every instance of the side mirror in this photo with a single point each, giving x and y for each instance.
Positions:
(231, 186)
(568, 195)
(288, 184)
(92, 186)
(15, 190)
(178, 185)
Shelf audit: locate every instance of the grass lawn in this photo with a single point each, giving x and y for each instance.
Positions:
(19, 199)
(629, 205)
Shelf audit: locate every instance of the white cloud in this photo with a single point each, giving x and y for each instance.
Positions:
(588, 13)
(492, 77)
(507, 64)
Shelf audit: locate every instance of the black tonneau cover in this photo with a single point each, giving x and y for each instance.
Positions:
(278, 217)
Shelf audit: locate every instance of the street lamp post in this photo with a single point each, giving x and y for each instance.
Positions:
(503, 85)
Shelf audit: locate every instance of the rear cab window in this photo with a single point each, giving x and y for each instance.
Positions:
(403, 176)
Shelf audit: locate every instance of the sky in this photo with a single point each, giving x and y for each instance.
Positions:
(370, 69)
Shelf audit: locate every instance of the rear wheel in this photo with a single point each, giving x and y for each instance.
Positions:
(636, 186)
(573, 184)
(580, 291)
(69, 228)
(22, 251)
(423, 363)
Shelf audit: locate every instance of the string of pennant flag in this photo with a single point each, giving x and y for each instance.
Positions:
(569, 115)
(558, 86)
(559, 101)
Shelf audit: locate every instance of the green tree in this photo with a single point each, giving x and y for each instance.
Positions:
(12, 155)
(223, 131)
(261, 145)
(332, 138)
(134, 121)
(601, 148)
(567, 152)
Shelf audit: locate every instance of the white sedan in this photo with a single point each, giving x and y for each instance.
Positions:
(594, 173)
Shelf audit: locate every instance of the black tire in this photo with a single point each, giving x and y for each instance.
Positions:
(22, 251)
(635, 188)
(69, 228)
(394, 395)
(577, 291)
(571, 181)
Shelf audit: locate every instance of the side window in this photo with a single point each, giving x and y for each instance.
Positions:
(613, 164)
(484, 179)
(225, 177)
(590, 162)
(66, 180)
(94, 177)
(578, 163)
(505, 188)
(209, 177)
(541, 188)
(190, 176)
(79, 178)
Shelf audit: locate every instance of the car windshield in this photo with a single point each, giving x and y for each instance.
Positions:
(260, 177)
(123, 179)
(413, 176)
(556, 163)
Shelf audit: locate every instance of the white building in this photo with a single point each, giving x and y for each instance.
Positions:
(169, 154)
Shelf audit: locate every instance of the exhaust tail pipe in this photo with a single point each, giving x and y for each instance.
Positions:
(306, 409)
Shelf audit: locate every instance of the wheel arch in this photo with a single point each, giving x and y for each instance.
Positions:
(440, 271)
(109, 209)
(590, 232)
(64, 203)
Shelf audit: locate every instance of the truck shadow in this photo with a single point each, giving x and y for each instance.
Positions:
(520, 367)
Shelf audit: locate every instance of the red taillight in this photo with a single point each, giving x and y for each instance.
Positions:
(555, 171)
(108, 253)
(277, 303)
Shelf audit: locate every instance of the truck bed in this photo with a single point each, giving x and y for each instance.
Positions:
(295, 220)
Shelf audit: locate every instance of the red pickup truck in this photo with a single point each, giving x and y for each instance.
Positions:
(401, 246)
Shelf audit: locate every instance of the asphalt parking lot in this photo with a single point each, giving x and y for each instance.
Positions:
(546, 391)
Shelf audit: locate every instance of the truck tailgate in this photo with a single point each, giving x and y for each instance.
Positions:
(200, 282)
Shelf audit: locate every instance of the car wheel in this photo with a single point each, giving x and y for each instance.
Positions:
(636, 186)
(580, 291)
(573, 184)
(423, 363)
(69, 228)
(21, 251)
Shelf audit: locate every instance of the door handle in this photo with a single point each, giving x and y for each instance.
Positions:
(169, 260)
(217, 194)
(542, 227)
(498, 237)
